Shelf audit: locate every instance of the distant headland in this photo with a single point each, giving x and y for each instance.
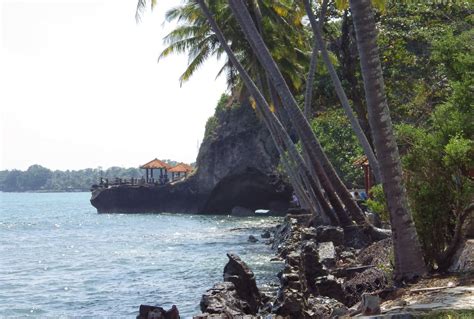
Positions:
(41, 179)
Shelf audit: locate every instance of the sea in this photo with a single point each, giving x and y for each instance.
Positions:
(59, 258)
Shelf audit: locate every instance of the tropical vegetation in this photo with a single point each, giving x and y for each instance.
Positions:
(391, 81)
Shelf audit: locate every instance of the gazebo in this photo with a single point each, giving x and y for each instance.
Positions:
(153, 165)
(180, 170)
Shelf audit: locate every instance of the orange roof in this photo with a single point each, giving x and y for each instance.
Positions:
(181, 168)
(361, 161)
(156, 163)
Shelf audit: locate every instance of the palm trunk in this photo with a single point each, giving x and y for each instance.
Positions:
(408, 254)
(309, 83)
(307, 138)
(260, 100)
(311, 181)
(312, 68)
(342, 94)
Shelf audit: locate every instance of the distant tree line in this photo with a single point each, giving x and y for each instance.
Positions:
(40, 179)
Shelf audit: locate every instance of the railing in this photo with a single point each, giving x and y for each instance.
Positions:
(106, 182)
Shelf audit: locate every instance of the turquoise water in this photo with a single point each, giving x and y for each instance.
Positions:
(59, 258)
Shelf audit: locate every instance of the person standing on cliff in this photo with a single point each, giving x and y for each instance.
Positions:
(295, 201)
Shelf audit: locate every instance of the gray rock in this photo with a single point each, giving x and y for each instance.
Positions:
(370, 305)
(153, 312)
(237, 272)
(330, 233)
(265, 234)
(252, 239)
(331, 287)
(241, 211)
(310, 265)
(221, 299)
(327, 254)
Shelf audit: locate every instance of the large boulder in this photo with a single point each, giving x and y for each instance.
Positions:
(238, 272)
(223, 298)
(236, 164)
(327, 254)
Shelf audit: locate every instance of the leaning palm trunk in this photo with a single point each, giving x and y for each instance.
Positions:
(307, 180)
(308, 96)
(312, 67)
(357, 129)
(407, 249)
(260, 100)
(306, 135)
(312, 181)
(321, 180)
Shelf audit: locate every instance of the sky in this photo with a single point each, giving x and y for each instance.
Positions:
(80, 87)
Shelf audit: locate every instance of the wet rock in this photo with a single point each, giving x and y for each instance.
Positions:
(327, 254)
(293, 259)
(222, 299)
(282, 234)
(252, 239)
(265, 234)
(241, 211)
(237, 272)
(153, 312)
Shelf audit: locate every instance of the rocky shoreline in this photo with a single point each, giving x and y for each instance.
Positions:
(328, 272)
(321, 277)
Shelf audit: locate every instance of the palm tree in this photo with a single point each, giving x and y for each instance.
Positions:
(275, 126)
(316, 155)
(357, 129)
(194, 37)
(407, 249)
(317, 161)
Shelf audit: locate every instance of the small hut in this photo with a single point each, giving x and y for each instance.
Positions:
(161, 169)
(180, 171)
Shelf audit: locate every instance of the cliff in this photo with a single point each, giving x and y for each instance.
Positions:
(236, 166)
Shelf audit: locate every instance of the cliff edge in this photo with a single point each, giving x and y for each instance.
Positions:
(236, 166)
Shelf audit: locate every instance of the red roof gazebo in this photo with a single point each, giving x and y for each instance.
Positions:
(158, 165)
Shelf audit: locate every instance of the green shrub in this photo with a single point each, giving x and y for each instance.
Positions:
(377, 203)
(211, 127)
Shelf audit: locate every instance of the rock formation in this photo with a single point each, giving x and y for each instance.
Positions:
(236, 166)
